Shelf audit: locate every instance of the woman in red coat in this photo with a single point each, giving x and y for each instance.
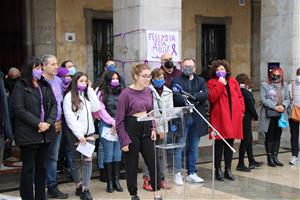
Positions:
(226, 113)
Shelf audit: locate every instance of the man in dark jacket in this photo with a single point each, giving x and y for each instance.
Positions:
(195, 126)
(5, 126)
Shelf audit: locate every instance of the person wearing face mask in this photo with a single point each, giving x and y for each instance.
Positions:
(108, 94)
(11, 79)
(65, 154)
(170, 70)
(294, 94)
(226, 114)
(249, 115)
(110, 66)
(195, 126)
(274, 97)
(34, 107)
(162, 99)
(68, 64)
(79, 103)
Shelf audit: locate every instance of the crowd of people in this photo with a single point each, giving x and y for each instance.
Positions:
(49, 110)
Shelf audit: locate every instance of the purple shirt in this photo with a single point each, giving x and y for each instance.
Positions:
(56, 85)
(130, 102)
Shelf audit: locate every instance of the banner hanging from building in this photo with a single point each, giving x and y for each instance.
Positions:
(160, 42)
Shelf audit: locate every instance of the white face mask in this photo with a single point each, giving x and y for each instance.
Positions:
(298, 79)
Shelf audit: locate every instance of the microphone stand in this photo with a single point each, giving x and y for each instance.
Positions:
(213, 134)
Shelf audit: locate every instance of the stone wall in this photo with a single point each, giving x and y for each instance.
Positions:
(70, 17)
(239, 34)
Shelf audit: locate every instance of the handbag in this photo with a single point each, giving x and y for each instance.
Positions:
(270, 113)
(295, 110)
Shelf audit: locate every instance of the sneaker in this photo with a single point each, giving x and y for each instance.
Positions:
(194, 178)
(178, 179)
(86, 195)
(147, 186)
(165, 184)
(293, 160)
(54, 192)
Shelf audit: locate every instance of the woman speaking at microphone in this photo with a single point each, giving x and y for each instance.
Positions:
(226, 113)
(195, 127)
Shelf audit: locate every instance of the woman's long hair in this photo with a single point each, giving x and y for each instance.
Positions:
(106, 89)
(74, 92)
(26, 69)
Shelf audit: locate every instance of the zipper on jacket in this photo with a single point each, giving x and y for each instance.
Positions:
(87, 116)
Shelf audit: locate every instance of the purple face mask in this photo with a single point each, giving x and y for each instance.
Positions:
(81, 87)
(66, 80)
(220, 74)
(37, 74)
(115, 83)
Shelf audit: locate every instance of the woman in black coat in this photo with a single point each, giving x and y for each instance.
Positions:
(34, 108)
(250, 113)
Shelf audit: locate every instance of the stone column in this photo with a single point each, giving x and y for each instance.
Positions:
(255, 43)
(131, 19)
(280, 40)
(280, 35)
(40, 27)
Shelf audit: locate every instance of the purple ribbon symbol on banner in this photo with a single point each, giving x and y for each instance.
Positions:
(174, 50)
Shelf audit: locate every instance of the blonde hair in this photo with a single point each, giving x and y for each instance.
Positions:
(137, 69)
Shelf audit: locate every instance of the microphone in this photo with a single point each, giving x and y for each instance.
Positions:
(179, 90)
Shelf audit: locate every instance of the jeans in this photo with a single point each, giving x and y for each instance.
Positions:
(33, 172)
(52, 161)
(65, 151)
(100, 148)
(179, 155)
(192, 145)
(111, 151)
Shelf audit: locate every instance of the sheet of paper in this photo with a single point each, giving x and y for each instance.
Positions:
(86, 149)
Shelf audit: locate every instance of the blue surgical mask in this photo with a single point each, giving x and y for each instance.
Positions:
(158, 83)
(111, 68)
(72, 71)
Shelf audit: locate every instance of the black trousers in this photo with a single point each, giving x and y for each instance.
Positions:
(274, 131)
(246, 146)
(219, 146)
(294, 128)
(139, 133)
(33, 171)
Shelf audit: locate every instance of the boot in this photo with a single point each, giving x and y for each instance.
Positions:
(108, 170)
(269, 154)
(102, 177)
(276, 146)
(228, 174)
(219, 174)
(116, 174)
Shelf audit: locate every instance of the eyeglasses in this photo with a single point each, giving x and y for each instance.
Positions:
(145, 76)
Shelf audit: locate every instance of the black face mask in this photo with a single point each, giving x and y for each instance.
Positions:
(169, 64)
(276, 77)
